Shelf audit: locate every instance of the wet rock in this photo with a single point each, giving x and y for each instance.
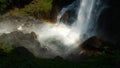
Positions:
(19, 39)
(57, 6)
(96, 46)
(71, 13)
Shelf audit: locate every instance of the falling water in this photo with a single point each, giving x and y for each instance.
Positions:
(87, 15)
(62, 39)
(72, 6)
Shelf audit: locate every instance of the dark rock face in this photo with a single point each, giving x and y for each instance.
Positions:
(62, 3)
(58, 58)
(22, 51)
(57, 6)
(71, 14)
(96, 46)
(108, 23)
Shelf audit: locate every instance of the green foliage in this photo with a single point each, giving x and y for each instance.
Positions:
(15, 61)
(6, 5)
(3, 5)
(38, 8)
(12, 60)
(6, 49)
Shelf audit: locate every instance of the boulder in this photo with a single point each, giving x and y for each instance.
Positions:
(18, 39)
(96, 46)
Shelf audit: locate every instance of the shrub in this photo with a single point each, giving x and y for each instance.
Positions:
(38, 8)
(6, 49)
(3, 5)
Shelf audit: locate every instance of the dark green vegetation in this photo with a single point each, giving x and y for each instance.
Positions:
(34, 8)
(6, 5)
(13, 60)
(14, 54)
(41, 9)
(20, 57)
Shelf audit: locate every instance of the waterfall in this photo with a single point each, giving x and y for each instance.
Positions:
(60, 38)
(72, 6)
(83, 18)
(88, 12)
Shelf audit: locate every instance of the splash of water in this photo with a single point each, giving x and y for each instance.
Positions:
(61, 39)
(68, 37)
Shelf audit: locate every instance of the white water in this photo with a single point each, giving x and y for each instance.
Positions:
(88, 13)
(60, 39)
(65, 9)
(84, 17)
